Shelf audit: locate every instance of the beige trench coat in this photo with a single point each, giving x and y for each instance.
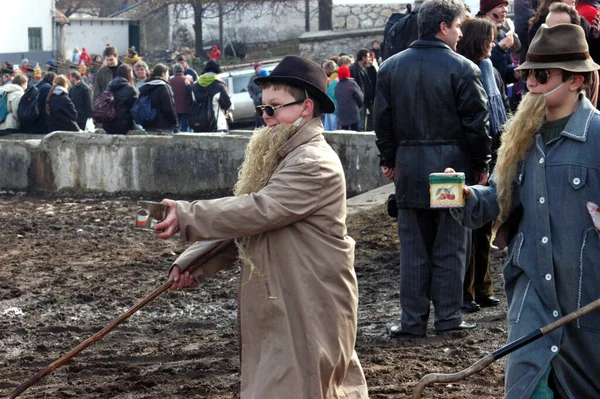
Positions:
(299, 316)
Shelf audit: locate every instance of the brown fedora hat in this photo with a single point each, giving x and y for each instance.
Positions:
(561, 46)
(303, 73)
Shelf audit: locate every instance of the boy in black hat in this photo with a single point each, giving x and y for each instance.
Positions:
(548, 169)
(298, 295)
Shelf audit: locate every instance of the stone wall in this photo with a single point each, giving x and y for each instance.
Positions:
(358, 16)
(321, 45)
(202, 165)
(354, 27)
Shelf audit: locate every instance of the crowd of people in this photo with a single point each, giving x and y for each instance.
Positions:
(92, 83)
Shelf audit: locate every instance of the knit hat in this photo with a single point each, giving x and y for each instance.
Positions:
(343, 72)
(486, 6)
(561, 46)
(257, 64)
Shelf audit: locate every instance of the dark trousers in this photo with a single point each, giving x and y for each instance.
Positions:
(478, 277)
(433, 248)
(184, 122)
(353, 127)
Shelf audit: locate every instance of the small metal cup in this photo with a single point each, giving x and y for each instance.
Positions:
(149, 214)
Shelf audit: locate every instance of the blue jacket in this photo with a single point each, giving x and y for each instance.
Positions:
(553, 265)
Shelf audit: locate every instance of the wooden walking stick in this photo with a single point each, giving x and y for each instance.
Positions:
(436, 378)
(100, 334)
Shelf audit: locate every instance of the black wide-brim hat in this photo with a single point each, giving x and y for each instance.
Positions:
(302, 73)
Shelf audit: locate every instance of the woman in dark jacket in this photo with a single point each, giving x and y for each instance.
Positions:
(39, 126)
(60, 109)
(161, 99)
(350, 98)
(123, 88)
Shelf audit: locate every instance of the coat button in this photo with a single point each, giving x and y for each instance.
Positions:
(554, 348)
(544, 240)
(541, 161)
(542, 200)
(555, 313)
(548, 277)
(576, 181)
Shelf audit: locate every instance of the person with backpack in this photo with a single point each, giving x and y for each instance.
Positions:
(349, 100)
(31, 112)
(210, 101)
(125, 94)
(106, 73)
(157, 100)
(431, 112)
(81, 95)
(10, 95)
(60, 109)
(183, 97)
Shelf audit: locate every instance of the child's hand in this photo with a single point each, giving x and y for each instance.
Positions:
(466, 189)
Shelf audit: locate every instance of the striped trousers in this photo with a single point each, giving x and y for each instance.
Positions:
(433, 253)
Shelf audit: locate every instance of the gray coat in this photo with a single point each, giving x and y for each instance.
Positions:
(349, 100)
(553, 265)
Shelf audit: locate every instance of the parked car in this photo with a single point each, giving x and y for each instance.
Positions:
(237, 84)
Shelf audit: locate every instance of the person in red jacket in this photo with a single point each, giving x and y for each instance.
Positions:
(85, 57)
(215, 53)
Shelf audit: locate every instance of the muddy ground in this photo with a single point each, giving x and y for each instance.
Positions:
(69, 266)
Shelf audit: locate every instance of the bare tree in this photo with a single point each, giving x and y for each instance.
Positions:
(208, 9)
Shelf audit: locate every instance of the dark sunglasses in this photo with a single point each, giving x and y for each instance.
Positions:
(270, 110)
(541, 75)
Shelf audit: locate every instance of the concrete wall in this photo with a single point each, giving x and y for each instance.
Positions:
(184, 164)
(95, 33)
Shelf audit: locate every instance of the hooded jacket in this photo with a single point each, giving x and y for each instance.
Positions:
(14, 94)
(221, 101)
(63, 116)
(162, 100)
(298, 313)
(125, 95)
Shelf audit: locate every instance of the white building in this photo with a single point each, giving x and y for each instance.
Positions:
(28, 32)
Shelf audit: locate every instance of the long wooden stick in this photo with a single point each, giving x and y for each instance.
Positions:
(98, 336)
(437, 378)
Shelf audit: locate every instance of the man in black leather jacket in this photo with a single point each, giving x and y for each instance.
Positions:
(431, 113)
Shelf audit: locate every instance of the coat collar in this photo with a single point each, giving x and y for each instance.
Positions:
(306, 133)
(429, 42)
(578, 126)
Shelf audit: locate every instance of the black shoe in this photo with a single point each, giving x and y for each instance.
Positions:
(488, 301)
(397, 332)
(462, 326)
(470, 307)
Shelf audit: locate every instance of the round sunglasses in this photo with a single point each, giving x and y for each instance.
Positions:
(541, 75)
(270, 110)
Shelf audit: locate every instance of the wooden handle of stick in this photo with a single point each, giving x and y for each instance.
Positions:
(435, 378)
(100, 334)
